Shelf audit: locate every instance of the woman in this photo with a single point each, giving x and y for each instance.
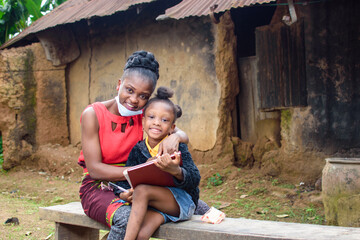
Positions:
(110, 129)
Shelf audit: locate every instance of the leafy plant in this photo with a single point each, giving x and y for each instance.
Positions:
(215, 180)
(16, 15)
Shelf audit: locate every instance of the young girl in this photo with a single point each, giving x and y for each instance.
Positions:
(154, 205)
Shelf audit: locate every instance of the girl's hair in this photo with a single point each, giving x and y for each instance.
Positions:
(144, 63)
(162, 95)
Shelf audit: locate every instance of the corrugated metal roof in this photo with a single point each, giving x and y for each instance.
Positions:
(75, 10)
(189, 8)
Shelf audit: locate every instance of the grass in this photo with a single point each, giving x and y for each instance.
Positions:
(26, 212)
(288, 186)
(251, 196)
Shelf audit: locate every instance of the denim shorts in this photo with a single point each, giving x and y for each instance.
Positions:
(185, 202)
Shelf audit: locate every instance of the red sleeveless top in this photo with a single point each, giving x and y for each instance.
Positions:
(115, 144)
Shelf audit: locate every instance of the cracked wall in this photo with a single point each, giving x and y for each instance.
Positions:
(32, 103)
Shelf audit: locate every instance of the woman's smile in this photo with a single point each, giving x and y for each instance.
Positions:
(131, 107)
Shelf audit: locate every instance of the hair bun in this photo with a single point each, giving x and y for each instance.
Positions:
(178, 111)
(143, 59)
(164, 93)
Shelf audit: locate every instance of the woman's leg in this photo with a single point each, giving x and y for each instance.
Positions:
(119, 223)
(160, 198)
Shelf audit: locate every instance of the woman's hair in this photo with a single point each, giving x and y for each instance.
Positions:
(143, 63)
(162, 95)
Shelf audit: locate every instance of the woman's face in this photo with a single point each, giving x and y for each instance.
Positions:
(158, 121)
(134, 91)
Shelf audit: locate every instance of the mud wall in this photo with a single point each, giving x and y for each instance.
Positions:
(32, 103)
(185, 51)
(227, 75)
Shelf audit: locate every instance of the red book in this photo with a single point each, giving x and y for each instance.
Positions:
(149, 173)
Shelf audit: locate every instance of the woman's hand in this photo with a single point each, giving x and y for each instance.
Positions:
(169, 165)
(127, 196)
(169, 145)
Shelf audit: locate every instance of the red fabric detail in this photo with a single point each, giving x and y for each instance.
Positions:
(115, 145)
(114, 205)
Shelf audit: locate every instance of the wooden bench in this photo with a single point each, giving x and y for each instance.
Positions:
(72, 223)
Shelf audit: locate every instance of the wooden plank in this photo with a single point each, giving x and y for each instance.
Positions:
(247, 99)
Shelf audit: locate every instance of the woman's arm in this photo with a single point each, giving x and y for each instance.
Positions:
(191, 174)
(171, 143)
(92, 151)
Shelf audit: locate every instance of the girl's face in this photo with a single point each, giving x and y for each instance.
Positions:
(158, 121)
(134, 91)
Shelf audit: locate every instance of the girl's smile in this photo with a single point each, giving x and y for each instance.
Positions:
(158, 122)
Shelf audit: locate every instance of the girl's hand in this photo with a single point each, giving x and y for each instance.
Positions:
(127, 196)
(169, 145)
(169, 165)
(151, 159)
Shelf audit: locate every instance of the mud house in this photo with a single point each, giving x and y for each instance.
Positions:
(262, 83)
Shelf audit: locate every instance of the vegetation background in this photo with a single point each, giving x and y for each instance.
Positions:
(16, 15)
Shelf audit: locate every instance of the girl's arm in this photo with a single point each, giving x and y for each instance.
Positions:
(171, 143)
(92, 151)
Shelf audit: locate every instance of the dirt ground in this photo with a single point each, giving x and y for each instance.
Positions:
(53, 177)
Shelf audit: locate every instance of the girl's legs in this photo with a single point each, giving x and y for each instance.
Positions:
(151, 222)
(157, 197)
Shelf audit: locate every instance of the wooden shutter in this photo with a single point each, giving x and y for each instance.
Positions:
(281, 78)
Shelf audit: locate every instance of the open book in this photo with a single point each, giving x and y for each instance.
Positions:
(149, 173)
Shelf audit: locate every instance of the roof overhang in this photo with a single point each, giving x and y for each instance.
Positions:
(199, 8)
(73, 11)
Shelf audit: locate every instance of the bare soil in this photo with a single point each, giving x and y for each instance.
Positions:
(52, 177)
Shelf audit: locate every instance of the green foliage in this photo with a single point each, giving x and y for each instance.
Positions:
(215, 180)
(16, 15)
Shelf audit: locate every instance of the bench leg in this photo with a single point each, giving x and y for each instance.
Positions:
(72, 232)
